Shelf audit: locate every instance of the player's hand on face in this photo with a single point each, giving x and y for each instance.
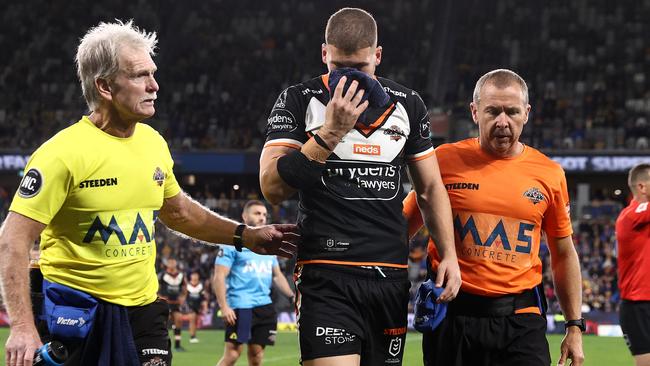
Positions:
(343, 111)
(21, 345)
(449, 277)
(279, 239)
(228, 315)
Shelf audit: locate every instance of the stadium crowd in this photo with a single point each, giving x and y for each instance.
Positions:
(222, 63)
(586, 64)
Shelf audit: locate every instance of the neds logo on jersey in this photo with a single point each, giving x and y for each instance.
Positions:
(31, 183)
(367, 149)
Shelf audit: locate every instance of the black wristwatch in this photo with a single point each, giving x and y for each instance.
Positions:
(580, 323)
(236, 239)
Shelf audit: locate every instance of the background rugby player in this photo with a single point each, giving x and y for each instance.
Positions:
(172, 289)
(196, 302)
(242, 284)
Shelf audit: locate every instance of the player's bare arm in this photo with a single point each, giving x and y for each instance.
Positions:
(568, 285)
(281, 282)
(219, 287)
(435, 208)
(183, 214)
(17, 235)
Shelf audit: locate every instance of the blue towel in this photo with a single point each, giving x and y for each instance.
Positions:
(428, 313)
(110, 343)
(374, 91)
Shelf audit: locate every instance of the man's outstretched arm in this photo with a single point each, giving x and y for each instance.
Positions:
(183, 214)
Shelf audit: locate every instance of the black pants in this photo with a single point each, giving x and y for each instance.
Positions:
(635, 322)
(518, 339)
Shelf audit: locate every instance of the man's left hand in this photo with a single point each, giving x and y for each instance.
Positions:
(278, 239)
(571, 348)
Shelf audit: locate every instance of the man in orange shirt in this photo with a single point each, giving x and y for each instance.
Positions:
(503, 194)
(633, 237)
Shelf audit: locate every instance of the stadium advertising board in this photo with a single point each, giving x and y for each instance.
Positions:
(599, 163)
(247, 163)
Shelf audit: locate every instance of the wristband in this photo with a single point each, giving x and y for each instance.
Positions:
(298, 171)
(319, 140)
(580, 323)
(236, 239)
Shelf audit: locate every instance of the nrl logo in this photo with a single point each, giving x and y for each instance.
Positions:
(534, 195)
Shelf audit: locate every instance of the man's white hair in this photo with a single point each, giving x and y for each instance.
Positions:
(98, 54)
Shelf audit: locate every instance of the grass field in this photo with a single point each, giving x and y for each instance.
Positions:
(599, 351)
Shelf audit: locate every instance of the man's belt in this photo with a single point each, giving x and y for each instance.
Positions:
(485, 306)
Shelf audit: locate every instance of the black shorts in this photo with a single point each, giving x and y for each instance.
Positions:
(460, 340)
(345, 310)
(174, 308)
(149, 328)
(194, 306)
(635, 322)
(254, 326)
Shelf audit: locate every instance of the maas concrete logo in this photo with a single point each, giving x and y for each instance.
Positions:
(534, 195)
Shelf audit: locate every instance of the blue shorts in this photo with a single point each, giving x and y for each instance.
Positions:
(254, 326)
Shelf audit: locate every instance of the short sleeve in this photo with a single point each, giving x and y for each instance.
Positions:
(557, 220)
(418, 145)
(44, 187)
(172, 187)
(640, 216)
(226, 256)
(412, 213)
(286, 123)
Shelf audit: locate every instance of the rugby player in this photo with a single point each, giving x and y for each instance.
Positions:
(351, 275)
(172, 289)
(245, 302)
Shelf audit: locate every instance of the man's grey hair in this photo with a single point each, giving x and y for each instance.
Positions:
(501, 78)
(98, 54)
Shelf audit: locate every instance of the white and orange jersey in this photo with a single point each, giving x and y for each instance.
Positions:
(500, 207)
(354, 216)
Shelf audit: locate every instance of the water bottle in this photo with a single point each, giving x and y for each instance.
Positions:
(51, 354)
